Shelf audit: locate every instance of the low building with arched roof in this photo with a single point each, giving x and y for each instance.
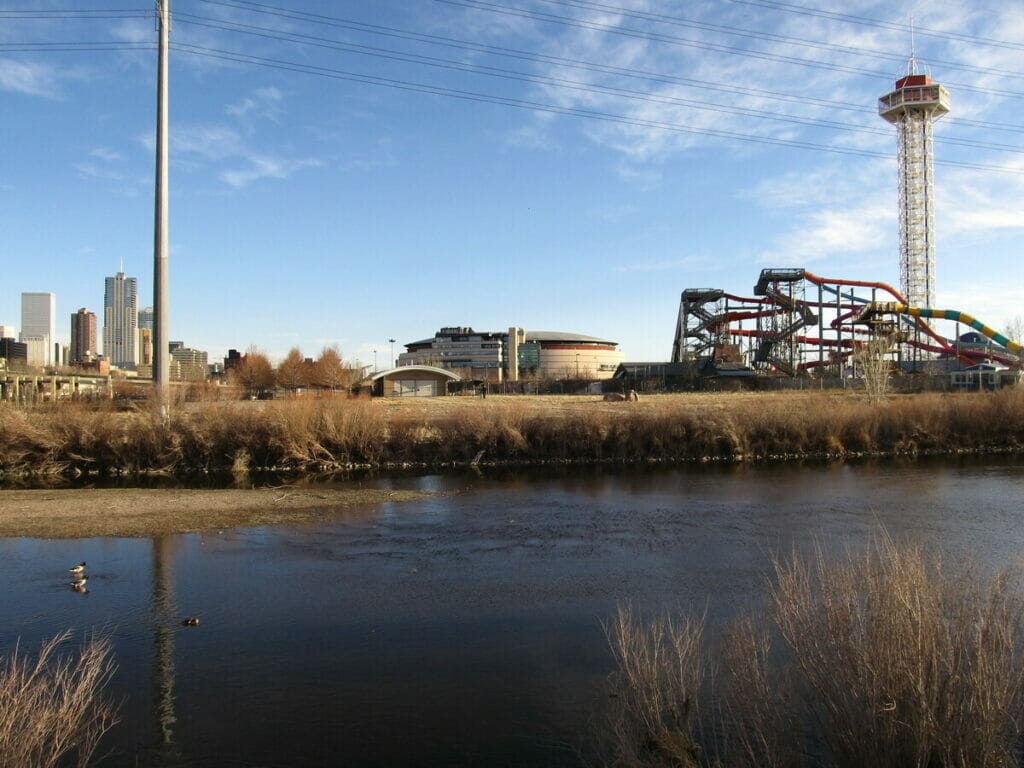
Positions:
(412, 381)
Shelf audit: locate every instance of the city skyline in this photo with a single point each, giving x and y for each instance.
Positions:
(565, 166)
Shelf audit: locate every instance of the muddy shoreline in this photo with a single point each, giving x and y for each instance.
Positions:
(88, 512)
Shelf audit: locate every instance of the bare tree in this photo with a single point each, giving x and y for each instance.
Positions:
(330, 370)
(872, 357)
(254, 373)
(1015, 329)
(292, 372)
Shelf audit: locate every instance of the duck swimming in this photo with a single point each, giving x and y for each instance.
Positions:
(191, 621)
(77, 568)
(79, 583)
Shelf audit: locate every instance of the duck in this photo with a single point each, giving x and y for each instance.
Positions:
(79, 583)
(77, 568)
(78, 586)
(191, 621)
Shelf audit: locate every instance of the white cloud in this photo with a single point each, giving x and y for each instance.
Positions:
(108, 155)
(30, 78)
(264, 167)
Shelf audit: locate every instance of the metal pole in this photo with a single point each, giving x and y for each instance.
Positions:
(392, 363)
(161, 354)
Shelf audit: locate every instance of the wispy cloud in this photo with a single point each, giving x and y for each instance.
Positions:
(662, 265)
(108, 155)
(260, 167)
(263, 103)
(30, 78)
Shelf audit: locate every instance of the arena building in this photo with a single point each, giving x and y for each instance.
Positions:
(515, 354)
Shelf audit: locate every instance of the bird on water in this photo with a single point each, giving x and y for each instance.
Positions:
(76, 569)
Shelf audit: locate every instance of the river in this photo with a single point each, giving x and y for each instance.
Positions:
(464, 629)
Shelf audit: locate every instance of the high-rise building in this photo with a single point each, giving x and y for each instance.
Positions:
(120, 320)
(83, 337)
(188, 364)
(8, 332)
(915, 104)
(39, 326)
(146, 318)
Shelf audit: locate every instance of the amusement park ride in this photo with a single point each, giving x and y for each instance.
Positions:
(798, 323)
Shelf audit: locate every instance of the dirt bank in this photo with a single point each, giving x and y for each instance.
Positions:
(81, 513)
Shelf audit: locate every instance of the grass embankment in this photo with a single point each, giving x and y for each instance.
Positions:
(884, 659)
(316, 435)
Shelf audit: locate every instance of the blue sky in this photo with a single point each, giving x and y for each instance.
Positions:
(567, 165)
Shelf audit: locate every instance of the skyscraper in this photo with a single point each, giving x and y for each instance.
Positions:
(83, 336)
(39, 326)
(146, 318)
(120, 320)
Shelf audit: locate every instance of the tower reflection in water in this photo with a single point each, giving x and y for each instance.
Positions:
(163, 618)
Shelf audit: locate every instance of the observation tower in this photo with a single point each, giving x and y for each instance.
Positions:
(915, 104)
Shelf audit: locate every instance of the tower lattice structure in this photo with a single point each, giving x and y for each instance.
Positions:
(913, 107)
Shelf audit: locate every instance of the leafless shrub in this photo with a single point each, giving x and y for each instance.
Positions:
(659, 672)
(882, 658)
(52, 708)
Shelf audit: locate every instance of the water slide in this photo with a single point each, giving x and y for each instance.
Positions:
(826, 283)
(945, 314)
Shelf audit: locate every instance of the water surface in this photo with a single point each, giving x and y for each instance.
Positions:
(464, 629)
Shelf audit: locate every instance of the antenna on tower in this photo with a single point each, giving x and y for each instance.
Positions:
(912, 64)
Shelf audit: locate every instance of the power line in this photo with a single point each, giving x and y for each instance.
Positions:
(881, 24)
(482, 5)
(773, 37)
(404, 34)
(574, 85)
(464, 95)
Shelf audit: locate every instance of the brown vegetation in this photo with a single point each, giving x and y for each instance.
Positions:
(325, 432)
(883, 659)
(52, 709)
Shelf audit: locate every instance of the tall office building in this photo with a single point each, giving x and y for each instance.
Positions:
(146, 318)
(8, 332)
(39, 326)
(120, 320)
(83, 337)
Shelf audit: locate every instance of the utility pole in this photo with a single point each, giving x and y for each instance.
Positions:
(161, 237)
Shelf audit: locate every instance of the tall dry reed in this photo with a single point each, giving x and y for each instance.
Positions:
(53, 710)
(881, 658)
(309, 434)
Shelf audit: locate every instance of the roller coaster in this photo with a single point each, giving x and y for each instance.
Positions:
(798, 323)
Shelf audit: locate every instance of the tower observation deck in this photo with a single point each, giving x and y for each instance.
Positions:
(913, 107)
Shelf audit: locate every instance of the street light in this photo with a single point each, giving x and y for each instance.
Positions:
(392, 342)
(375, 361)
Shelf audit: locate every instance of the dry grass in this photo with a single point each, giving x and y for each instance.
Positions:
(883, 658)
(52, 708)
(330, 433)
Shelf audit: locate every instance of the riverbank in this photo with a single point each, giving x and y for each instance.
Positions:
(317, 435)
(83, 513)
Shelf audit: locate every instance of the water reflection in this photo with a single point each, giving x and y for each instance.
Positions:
(162, 618)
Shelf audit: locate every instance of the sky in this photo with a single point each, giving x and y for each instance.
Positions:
(350, 172)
